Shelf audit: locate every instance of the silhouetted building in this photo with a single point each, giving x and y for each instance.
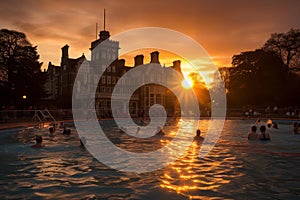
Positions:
(61, 78)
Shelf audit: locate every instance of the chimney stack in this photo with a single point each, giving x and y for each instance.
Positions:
(138, 60)
(65, 51)
(154, 57)
(177, 65)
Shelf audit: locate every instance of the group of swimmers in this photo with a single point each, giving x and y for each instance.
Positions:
(52, 129)
(265, 135)
(262, 136)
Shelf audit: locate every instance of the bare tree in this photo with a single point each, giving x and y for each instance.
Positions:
(287, 47)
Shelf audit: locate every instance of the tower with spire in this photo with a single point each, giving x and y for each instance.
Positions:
(107, 52)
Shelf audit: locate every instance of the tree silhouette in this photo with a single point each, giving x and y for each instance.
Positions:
(20, 73)
(259, 78)
(287, 47)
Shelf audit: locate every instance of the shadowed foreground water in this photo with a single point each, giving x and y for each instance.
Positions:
(234, 169)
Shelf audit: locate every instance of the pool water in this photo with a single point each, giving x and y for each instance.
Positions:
(235, 169)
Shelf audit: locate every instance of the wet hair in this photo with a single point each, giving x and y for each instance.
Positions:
(269, 125)
(38, 139)
(275, 126)
(51, 130)
(253, 128)
(198, 132)
(66, 131)
(262, 128)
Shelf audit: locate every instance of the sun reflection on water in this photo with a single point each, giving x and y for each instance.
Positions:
(190, 175)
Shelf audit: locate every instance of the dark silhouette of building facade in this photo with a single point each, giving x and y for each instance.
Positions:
(60, 81)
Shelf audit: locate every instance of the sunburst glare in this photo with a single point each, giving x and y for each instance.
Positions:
(187, 83)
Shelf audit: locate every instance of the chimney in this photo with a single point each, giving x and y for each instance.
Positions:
(65, 51)
(138, 60)
(177, 65)
(154, 57)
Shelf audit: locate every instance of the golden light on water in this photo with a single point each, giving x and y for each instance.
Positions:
(192, 177)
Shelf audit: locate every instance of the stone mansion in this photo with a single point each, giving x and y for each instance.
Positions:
(60, 80)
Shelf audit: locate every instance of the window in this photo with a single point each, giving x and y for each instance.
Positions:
(113, 80)
(108, 69)
(158, 99)
(152, 89)
(108, 80)
(103, 81)
(113, 69)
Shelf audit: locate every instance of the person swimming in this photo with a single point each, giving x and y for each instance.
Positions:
(198, 137)
(66, 131)
(275, 125)
(263, 135)
(51, 131)
(253, 135)
(39, 141)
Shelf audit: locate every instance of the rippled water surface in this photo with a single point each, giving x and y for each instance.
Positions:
(234, 169)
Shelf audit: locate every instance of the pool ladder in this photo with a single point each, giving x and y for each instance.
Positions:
(44, 116)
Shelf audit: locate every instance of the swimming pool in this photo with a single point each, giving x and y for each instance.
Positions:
(234, 169)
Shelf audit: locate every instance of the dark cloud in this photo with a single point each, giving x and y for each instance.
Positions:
(223, 27)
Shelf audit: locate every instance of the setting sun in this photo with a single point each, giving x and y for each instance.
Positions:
(187, 83)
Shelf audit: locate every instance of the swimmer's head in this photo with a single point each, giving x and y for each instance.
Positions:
(262, 128)
(253, 128)
(269, 125)
(51, 130)
(198, 132)
(38, 139)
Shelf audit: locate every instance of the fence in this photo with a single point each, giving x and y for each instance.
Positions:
(12, 116)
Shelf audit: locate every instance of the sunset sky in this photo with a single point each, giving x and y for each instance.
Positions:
(222, 27)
